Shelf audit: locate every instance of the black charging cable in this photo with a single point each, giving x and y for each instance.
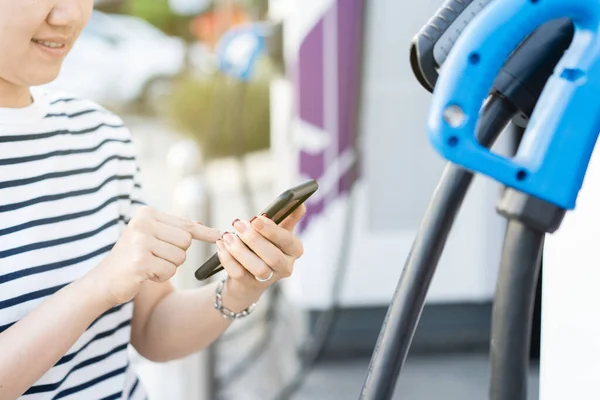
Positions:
(529, 219)
(407, 305)
(513, 311)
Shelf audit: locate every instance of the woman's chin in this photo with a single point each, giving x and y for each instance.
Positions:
(42, 76)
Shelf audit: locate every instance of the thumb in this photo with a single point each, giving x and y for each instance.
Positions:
(289, 223)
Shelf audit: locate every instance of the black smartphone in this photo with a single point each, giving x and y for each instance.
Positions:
(277, 211)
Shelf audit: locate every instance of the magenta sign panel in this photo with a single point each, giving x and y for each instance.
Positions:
(327, 81)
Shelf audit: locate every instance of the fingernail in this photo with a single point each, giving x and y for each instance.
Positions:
(234, 221)
(228, 237)
(253, 218)
(258, 224)
(240, 226)
(219, 244)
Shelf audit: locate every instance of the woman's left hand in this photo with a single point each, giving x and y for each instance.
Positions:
(275, 249)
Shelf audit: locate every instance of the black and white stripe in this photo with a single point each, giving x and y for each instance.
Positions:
(69, 183)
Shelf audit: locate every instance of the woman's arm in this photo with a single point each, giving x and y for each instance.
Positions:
(169, 324)
(150, 250)
(33, 345)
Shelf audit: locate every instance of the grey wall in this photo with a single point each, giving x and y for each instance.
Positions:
(394, 115)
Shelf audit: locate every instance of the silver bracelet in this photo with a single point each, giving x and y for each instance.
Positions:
(226, 312)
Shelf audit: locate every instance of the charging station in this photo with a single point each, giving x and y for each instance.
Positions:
(538, 62)
(350, 100)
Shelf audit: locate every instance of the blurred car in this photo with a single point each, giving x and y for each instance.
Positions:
(120, 59)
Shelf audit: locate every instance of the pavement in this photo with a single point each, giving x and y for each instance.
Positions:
(433, 377)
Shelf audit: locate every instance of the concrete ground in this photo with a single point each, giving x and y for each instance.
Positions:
(434, 377)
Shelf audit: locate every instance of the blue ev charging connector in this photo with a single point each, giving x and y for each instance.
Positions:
(562, 132)
(431, 46)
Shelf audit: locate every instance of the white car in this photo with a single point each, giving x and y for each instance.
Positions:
(120, 59)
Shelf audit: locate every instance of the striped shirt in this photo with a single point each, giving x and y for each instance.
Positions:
(69, 183)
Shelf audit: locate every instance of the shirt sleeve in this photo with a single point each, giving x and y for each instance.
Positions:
(133, 177)
(136, 194)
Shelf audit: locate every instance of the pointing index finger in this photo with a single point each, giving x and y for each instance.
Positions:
(196, 229)
(204, 233)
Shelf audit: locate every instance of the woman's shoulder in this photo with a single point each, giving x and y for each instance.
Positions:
(61, 103)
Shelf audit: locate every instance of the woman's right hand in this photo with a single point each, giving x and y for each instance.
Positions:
(152, 246)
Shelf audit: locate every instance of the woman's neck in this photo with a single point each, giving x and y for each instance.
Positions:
(14, 96)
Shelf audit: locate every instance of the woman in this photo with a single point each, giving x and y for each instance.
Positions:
(84, 265)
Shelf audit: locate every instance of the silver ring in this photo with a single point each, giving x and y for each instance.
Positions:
(265, 280)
